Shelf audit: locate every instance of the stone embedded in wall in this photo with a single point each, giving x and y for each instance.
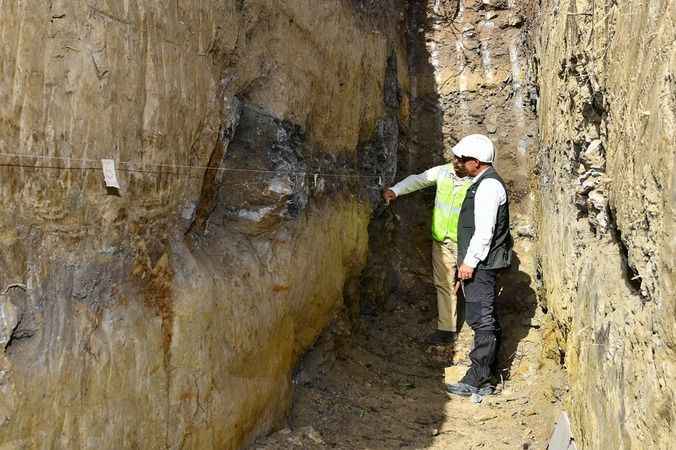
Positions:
(495, 4)
(593, 157)
(516, 20)
(264, 166)
(9, 319)
(447, 9)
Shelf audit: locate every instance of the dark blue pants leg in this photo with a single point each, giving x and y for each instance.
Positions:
(480, 316)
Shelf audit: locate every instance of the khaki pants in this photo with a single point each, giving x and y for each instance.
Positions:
(444, 263)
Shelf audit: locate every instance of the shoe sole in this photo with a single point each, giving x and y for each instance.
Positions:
(481, 392)
(486, 391)
(463, 393)
(460, 394)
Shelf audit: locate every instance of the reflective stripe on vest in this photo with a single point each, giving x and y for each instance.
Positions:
(447, 206)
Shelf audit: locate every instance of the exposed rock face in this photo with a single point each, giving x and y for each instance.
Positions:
(606, 176)
(171, 315)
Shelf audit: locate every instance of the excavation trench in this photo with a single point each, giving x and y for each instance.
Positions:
(371, 381)
(245, 285)
(591, 278)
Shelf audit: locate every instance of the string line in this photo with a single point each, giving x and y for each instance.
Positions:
(168, 166)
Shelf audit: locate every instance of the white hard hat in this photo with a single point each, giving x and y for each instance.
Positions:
(475, 146)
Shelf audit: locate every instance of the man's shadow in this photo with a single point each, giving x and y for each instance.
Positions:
(515, 307)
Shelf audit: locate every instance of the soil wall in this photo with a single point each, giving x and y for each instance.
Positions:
(605, 173)
(170, 314)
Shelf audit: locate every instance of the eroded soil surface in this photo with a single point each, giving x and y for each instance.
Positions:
(382, 387)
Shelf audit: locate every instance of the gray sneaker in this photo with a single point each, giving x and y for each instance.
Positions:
(487, 389)
(462, 389)
(467, 390)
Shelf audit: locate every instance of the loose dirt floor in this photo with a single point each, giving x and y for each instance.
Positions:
(376, 385)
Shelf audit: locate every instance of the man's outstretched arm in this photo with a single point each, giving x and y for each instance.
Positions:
(412, 183)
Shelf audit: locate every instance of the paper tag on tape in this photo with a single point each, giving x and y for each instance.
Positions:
(109, 174)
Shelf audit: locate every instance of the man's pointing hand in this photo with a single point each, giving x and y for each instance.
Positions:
(389, 195)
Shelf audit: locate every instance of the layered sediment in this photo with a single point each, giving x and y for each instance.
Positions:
(170, 313)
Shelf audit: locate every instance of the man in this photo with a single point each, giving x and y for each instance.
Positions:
(451, 188)
(484, 247)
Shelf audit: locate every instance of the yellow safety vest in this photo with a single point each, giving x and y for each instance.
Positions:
(447, 206)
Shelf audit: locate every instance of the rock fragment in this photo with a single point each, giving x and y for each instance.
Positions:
(593, 157)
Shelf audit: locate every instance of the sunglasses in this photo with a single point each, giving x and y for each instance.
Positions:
(464, 159)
